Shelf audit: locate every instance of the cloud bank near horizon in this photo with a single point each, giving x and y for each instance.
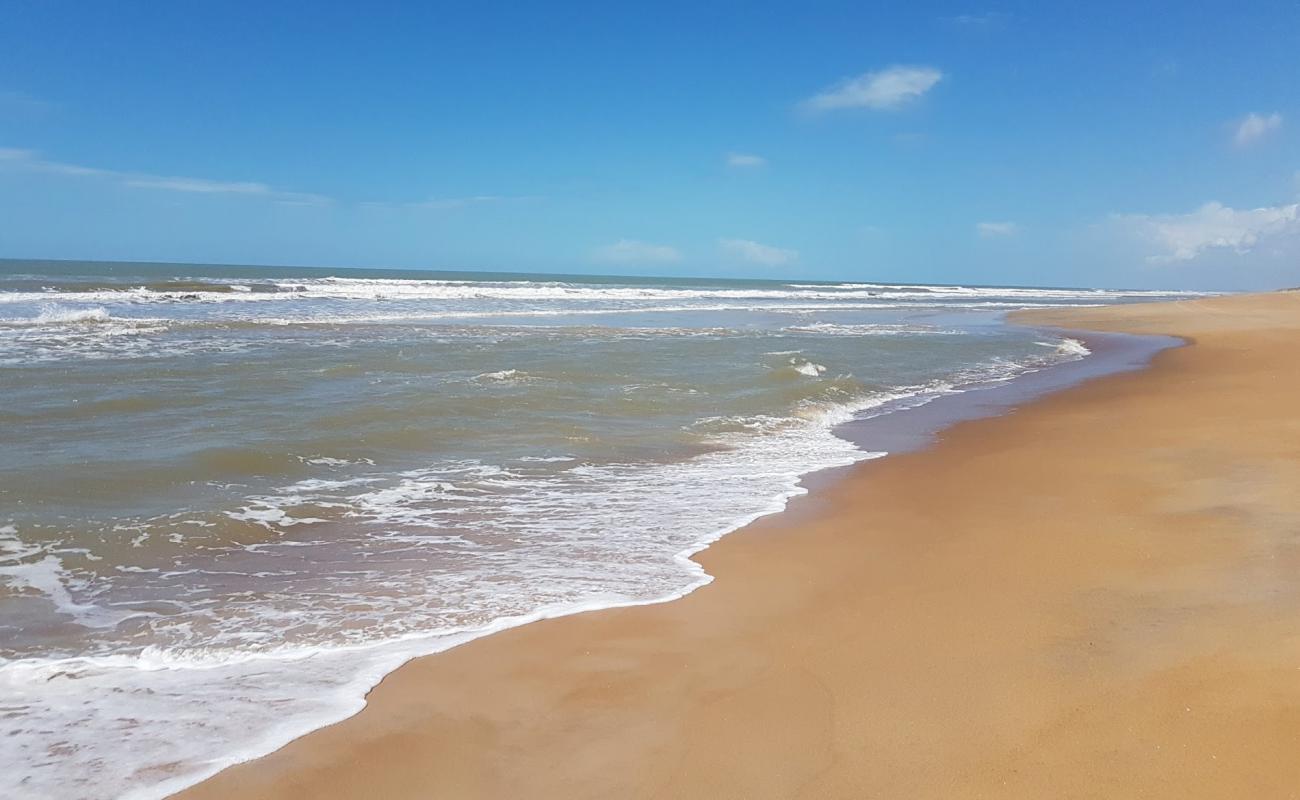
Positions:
(756, 253)
(1178, 238)
(633, 251)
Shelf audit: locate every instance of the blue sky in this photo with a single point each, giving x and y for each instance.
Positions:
(1098, 144)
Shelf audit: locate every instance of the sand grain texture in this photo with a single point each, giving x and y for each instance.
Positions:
(1095, 596)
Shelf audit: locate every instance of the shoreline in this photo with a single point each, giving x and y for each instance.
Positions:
(914, 428)
(1106, 354)
(381, 659)
(284, 772)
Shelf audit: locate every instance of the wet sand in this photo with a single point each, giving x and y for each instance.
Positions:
(1094, 595)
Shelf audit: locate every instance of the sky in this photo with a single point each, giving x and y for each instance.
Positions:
(1145, 145)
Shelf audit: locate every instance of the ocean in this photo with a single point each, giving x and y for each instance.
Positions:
(234, 498)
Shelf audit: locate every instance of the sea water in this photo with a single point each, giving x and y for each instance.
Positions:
(233, 498)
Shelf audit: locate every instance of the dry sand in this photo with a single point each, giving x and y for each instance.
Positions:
(1097, 595)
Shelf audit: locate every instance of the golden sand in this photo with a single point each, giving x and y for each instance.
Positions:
(1096, 595)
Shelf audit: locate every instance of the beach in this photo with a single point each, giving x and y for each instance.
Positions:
(1090, 596)
(600, 401)
(237, 497)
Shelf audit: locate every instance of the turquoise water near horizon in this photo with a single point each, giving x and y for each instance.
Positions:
(232, 498)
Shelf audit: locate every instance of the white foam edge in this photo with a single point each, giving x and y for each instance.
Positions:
(352, 696)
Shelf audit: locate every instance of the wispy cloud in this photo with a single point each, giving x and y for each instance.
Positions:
(17, 158)
(880, 91)
(993, 230)
(1166, 68)
(756, 253)
(441, 203)
(911, 138)
(31, 161)
(1254, 127)
(745, 160)
(449, 203)
(1213, 226)
(631, 251)
(17, 103)
(984, 19)
(198, 185)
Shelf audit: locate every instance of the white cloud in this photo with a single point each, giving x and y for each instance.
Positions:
(1213, 226)
(1254, 127)
(883, 90)
(745, 160)
(31, 160)
(628, 251)
(756, 253)
(990, 230)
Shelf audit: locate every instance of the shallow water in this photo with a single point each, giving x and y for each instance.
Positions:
(231, 499)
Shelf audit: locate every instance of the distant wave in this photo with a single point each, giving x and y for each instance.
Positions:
(871, 329)
(342, 288)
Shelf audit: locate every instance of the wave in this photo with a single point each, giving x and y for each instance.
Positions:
(803, 366)
(91, 318)
(872, 329)
(1068, 347)
(53, 315)
(391, 289)
(332, 317)
(505, 376)
(1073, 347)
(1002, 291)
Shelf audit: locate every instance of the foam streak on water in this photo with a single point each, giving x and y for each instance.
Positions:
(232, 499)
